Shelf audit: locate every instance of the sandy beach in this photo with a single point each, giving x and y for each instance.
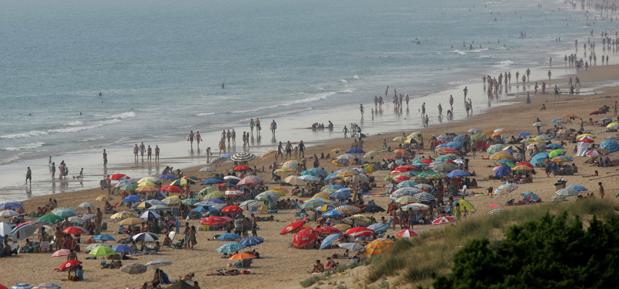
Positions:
(284, 267)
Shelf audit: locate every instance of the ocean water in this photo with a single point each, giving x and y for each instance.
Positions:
(160, 65)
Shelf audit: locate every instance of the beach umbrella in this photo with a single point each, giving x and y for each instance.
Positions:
(47, 286)
(348, 209)
(233, 193)
(232, 209)
(64, 212)
(116, 177)
(444, 220)
(68, 265)
(613, 125)
(403, 200)
(304, 238)
(359, 232)
(501, 171)
(215, 220)
(242, 157)
(167, 177)
(150, 216)
(326, 230)
(172, 201)
(61, 253)
(314, 203)
(11, 206)
(8, 213)
(328, 240)
(341, 227)
(21, 286)
(577, 188)
(406, 184)
(149, 180)
(232, 179)
(131, 199)
(610, 145)
(458, 174)
(428, 175)
(268, 196)
(495, 148)
(85, 205)
(102, 251)
(505, 188)
(424, 187)
(373, 208)
(123, 249)
(251, 205)
(406, 191)
(562, 193)
(228, 237)
(250, 181)
(212, 181)
(158, 263)
(23, 230)
(103, 238)
(292, 226)
(135, 268)
(379, 228)
(531, 197)
(122, 215)
(5, 229)
(556, 153)
(332, 214)
(351, 246)
(424, 197)
(521, 168)
(74, 230)
(415, 207)
(145, 236)
(341, 194)
(378, 246)
(251, 241)
(316, 172)
(310, 179)
(294, 180)
(229, 248)
(501, 156)
(405, 234)
(241, 256)
(214, 195)
(172, 189)
(241, 168)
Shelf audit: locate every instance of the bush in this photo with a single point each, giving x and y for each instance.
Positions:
(553, 252)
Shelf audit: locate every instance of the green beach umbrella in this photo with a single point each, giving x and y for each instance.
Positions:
(556, 153)
(214, 195)
(50, 218)
(102, 251)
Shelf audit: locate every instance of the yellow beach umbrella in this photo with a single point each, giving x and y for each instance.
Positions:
(502, 155)
(122, 215)
(341, 227)
(613, 125)
(378, 246)
(131, 222)
(321, 195)
(172, 200)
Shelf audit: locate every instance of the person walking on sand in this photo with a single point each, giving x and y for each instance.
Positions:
(29, 176)
(190, 138)
(466, 91)
(301, 149)
(156, 153)
(273, 127)
(601, 190)
(104, 158)
(208, 155)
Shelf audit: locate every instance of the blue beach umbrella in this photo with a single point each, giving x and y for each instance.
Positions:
(131, 199)
(251, 241)
(328, 241)
(610, 145)
(332, 214)
(228, 237)
(123, 249)
(379, 227)
(229, 248)
(458, 174)
(212, 181)
(64, 212)
(11, 206)
(103, 238)
(341, 194)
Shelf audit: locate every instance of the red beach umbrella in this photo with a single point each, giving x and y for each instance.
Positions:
(68, 265)
(359, 232)
(241, 168)
(172, 189)
(215, 220)
(305, 238)
(295, 225)
(444, 220)
(406, 234)
(232, 209)
(74, 230)
(404, 168)
(117, 177)
(326, 230)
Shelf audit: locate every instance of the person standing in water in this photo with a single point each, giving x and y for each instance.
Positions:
(149, 154)
(29, 176)
(361, 109)
(451, 101)
(258, 127)
(251, 125)
(423, 109)
(104, 158)
(273, 127)
(53, 170)
(198, 138)
(136, 150)
(190, 137)
(142, 150)
(156, 153)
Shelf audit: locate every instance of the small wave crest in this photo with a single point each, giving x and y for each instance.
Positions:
(504, 63)
(28, 146)
(317, 97)
(459, 52)
(205, 113)
(123, 115)
(23, 134)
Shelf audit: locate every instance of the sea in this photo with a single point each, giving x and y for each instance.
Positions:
(80, 76)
